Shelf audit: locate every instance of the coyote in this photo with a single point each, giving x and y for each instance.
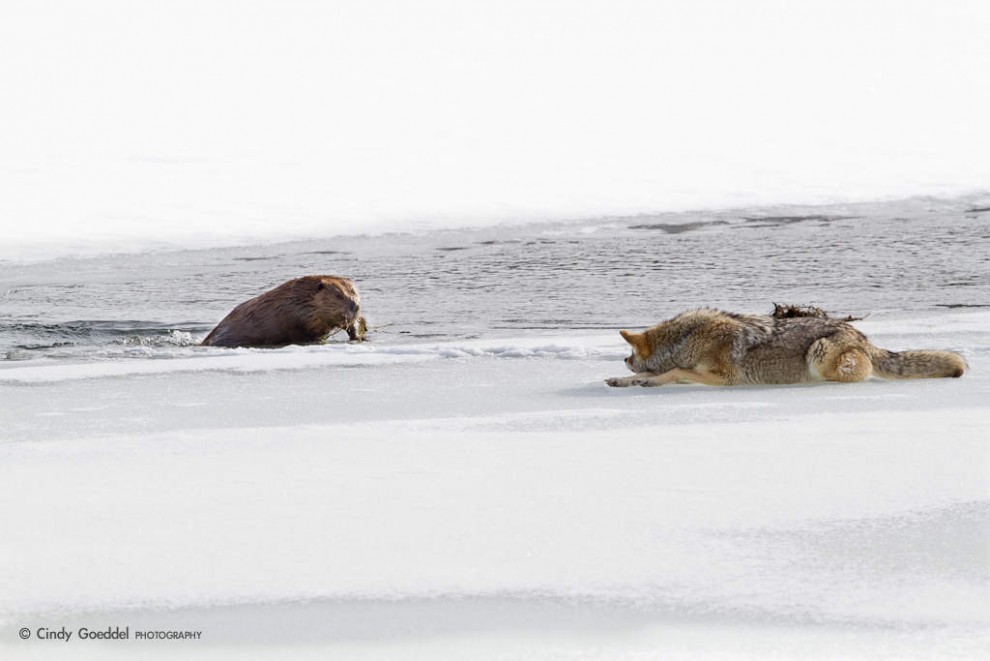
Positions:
(794, 345)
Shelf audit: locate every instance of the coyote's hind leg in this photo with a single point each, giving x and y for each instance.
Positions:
(833, 361)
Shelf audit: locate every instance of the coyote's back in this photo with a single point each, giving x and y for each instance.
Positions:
(723, 348)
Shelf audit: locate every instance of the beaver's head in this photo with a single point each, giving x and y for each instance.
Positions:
(335, 300)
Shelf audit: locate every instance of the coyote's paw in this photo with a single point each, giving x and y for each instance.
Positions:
(619, 381)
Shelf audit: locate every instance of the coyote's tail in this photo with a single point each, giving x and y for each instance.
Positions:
(917, 364)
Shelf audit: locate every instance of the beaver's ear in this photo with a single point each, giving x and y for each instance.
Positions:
(320, 285)
(640, 344)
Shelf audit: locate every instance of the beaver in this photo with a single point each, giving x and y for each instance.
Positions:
(300, 311)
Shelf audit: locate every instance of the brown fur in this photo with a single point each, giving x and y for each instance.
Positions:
(721, 348)
(301, 311)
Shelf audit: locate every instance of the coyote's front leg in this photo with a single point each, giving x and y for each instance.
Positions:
(634, 380)
(676, 375)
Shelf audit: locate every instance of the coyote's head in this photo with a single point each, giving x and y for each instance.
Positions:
(642, 351)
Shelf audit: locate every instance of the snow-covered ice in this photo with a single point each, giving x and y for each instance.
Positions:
(496, 499)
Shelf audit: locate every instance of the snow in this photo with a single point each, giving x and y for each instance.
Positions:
(320, 119)
(339, 355)
(490, 498)
(496, 499)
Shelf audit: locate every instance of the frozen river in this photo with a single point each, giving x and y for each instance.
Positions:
(465, 485)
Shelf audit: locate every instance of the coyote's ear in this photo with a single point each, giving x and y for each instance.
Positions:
(639, 343)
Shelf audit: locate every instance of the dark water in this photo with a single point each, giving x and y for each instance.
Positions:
(906, 256)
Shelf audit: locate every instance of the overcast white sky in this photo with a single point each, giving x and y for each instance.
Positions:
(195, 121)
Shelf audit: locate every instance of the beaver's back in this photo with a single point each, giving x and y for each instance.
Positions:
(301, 311)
